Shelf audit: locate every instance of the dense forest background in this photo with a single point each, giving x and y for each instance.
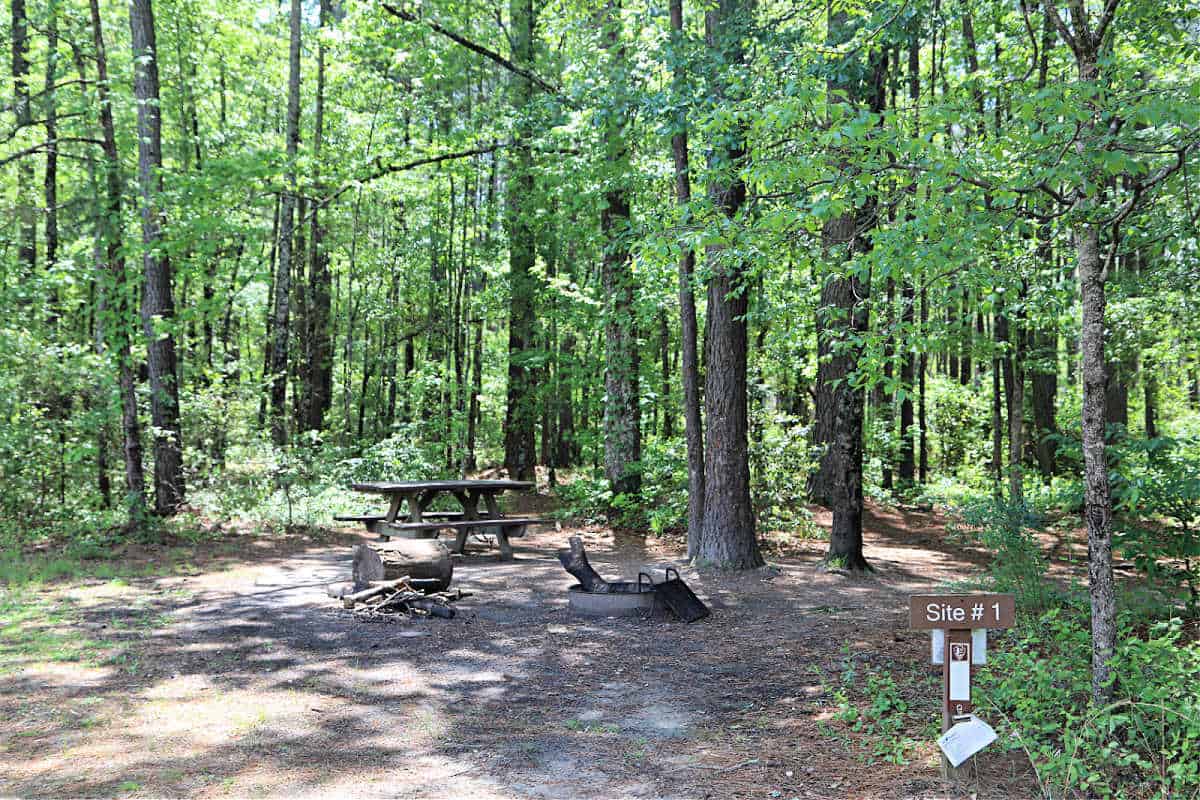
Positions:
(703, 263)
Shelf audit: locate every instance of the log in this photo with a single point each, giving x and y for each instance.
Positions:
(575, 561)
(426, 561)
(377, 587)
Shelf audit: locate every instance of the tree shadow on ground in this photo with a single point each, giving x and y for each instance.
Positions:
(259, 683)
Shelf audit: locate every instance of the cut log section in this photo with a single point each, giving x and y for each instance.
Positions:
(426, 562)
(575, 561)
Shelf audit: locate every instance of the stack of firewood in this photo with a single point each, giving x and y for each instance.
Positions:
(401, 597)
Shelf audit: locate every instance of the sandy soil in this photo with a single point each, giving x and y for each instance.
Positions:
(246, 680)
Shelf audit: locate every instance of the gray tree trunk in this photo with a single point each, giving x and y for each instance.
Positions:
(283, 266)
(520, 418)
(1086, 45)
(622, 409)
(728, 537)
(26, 204)
(158, 301)
(113, 281)
(318, 391)
(693, 428)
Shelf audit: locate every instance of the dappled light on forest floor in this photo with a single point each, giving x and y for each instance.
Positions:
(249, 680)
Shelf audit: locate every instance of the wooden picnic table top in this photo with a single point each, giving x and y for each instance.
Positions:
(403, 487)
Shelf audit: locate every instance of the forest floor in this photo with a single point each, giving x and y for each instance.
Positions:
(236, 675)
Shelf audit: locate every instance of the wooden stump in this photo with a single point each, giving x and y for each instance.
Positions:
(575, 561)
(424, 559)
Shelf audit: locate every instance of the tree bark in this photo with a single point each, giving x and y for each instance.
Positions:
(693, 428)
(318, 397)
(728, 537)
(158, 302)
(622, 407)
(115, 282)
(841, 323)
(283, 267)
(520, 418)
(1086, 46)
(26, 205)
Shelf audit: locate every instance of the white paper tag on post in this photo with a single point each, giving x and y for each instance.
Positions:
(966, 739)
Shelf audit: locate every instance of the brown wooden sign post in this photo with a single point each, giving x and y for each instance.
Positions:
(962, 621)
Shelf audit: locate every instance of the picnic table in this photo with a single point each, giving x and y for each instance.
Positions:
(418, 522)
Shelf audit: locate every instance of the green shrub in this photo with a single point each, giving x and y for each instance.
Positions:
(1161, 497)
(1147, 742)
(1007, 530)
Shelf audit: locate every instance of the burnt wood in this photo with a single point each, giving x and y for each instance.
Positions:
(575, 561)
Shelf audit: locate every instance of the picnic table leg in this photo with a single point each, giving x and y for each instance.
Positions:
(415, 507)
(394, 508)
(470, 506)
(506, 551)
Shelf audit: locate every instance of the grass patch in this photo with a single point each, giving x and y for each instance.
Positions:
(37, 630)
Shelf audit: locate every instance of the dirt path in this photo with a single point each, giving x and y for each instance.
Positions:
(246, 680)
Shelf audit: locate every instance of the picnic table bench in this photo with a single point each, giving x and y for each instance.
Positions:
(419, 522)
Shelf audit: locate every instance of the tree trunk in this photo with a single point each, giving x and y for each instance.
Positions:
(111, 215)
(26, 216)
(842, 322)
(1097, 499)
(689, 362)
(158, 302)
(1150, 395)
(1016, 418)
(520, 418)
(728, 537)
(1091, 270)
(319, 389)
(287, 209)
(622, 408)
(422, 559)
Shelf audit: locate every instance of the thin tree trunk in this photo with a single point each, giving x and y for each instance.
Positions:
(110, 216)
(622, 409)
(689, 361)
(287, 207)
(26, 205)
(158, 302)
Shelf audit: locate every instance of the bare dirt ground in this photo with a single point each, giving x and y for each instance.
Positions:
(244, 679)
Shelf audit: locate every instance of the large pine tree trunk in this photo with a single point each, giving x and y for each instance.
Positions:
(520, 418)
(318, 391)
(283, 269)
(728, 537)
(689, 360)
(158, 302)
(841, 322)
(622, 408)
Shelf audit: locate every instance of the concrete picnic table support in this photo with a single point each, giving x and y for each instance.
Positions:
(418, 522)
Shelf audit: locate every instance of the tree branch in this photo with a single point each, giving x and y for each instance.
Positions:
(42, 146)
(1106, 18)
(487, 53)
(382, 169)
(1063, 30)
